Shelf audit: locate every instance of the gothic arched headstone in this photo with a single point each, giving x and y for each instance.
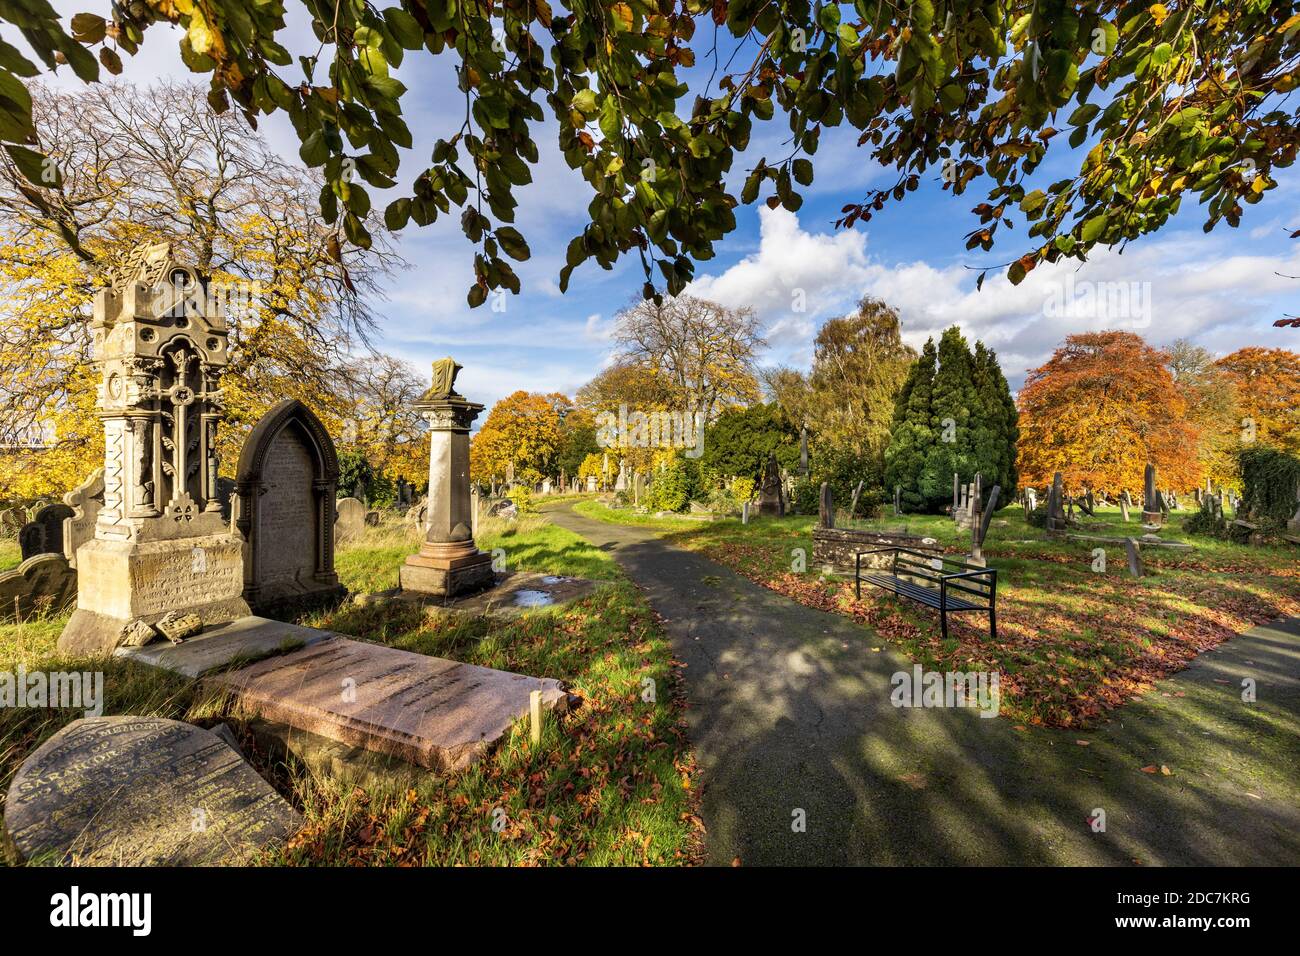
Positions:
(287, 474)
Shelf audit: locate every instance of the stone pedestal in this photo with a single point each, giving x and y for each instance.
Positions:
(448, 562)
(121, 581)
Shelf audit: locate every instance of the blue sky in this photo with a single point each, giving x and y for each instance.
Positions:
(1222, 290)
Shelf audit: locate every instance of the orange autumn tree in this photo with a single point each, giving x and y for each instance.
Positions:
(1103, 406)
(1268, 394)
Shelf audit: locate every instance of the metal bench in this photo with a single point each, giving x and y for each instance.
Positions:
(914, 576)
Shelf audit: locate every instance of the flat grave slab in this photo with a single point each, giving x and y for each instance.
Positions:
(436, 713)
(246, 638)
(142, 791)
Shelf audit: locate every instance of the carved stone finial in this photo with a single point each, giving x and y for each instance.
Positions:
(444, 379)
(144, 263)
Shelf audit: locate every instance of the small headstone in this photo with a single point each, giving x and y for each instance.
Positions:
(744, 513)
(351, 519)
(142, 791)
(40, 585)
(1133, 550)
(44, 533)
(770, 501)
(85, 501)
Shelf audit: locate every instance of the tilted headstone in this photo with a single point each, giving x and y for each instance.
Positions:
(142, 791)
(160, 544)
(85, 501)
(1134, 554)
(853, 501)
(287, 474)
(803, 451)
(44, 584)
(44, 533)
(351, 520)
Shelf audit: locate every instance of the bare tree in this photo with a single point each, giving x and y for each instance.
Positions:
(704, 351)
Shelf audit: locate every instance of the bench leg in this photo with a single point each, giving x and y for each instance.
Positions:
(943, 622)
(993, 623)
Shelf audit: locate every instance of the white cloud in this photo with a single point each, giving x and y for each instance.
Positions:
(1180, 285)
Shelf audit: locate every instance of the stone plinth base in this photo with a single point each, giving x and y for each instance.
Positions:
(447, 569)
(1156, 518)
(121, 581)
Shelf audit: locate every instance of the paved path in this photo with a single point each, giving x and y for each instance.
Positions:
(789, 710)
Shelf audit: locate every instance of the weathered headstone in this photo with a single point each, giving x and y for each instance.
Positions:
(44, 533)
(287, 474)
(853, 500)
(980, 528)
(591, 483)
(448, 562)
(770, 501)
(1056, 520)
(85, 501)
(161, 544)
(620, 482)
(898, 500)
(1134, 553)
(744, 512)
(826, 507)
(351, 520)
(803, 451)
(142, 791)
(43, 584)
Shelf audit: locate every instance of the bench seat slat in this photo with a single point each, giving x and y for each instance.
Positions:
(917, 592)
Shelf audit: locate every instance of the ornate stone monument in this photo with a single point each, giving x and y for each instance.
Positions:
(288, 472)
(448, 563)
(160, 544)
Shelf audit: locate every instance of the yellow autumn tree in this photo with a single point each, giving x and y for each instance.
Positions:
(522, 431)
(157, 164)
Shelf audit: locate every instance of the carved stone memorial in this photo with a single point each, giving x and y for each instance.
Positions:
(160, 346)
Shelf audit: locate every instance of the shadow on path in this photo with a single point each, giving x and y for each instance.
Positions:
(789, 710)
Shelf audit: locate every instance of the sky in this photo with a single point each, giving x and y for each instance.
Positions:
(1222, 290)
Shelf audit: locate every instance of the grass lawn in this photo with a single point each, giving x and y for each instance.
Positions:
(1073, 643)
(10, 555)
(611, 785)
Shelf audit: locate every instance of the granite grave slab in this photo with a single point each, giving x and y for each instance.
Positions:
(142, 791)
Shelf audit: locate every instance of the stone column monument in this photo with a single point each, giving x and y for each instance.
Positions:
(160, 544)
(1152, 513)
(448, 563)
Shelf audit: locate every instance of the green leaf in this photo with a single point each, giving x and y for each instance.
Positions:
(512, 243)
(406, 29)
(803, 172)
(39, 170)
(88, 28)
(1092, 228)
